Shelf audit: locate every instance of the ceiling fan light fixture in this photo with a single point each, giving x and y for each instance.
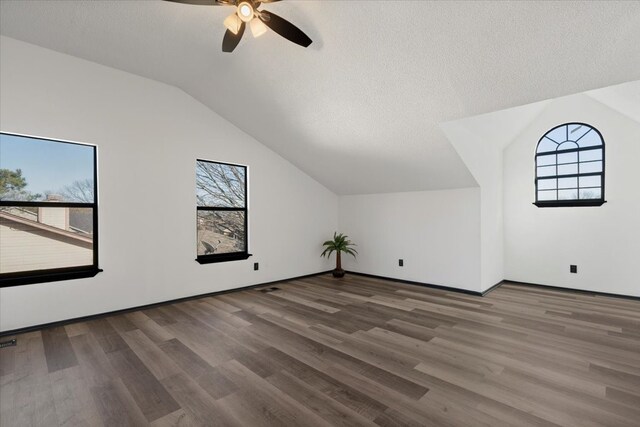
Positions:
(257, 27)
(245, 11)
(246, 14)
(233, 23)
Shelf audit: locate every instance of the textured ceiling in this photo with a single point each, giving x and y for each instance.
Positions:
(359, 110)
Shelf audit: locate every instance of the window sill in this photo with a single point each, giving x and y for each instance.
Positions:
(211, 259)
(45, 276)
(570, 203)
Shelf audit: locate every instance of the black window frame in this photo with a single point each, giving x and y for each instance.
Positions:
(234, 256)
(66, 273)
(570, 202)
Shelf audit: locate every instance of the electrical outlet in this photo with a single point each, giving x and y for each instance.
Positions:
(401, 262)
(256, 266)
(573, 268)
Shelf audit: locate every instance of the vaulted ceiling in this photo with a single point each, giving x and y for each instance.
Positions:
(359, 110)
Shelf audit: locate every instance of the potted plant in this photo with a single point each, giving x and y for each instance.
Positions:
(339, 244)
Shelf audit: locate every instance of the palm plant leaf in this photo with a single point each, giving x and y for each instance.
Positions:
(350, 251)
(339, 243)
(327, 252)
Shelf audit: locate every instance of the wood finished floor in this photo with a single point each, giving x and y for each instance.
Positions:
(358, 351)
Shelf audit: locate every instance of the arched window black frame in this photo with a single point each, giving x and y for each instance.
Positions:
(570, 167)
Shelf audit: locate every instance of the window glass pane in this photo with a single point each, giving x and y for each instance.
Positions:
(577, 131)
(591, 155)
(571, 194)
(567, 146)
(558, 135)
(590, 193)
(547, 184)
(567, 182)
(590, 181)
(35, 170)
(547, 160)
(546, 171)
(567, 158)
(547, 195)
(221, 232)
(39, 238)
(220, 185)
(590, 139)
(568, 169)
(590, 167)
(546, 145)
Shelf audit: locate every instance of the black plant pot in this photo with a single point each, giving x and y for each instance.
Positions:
(338, 272)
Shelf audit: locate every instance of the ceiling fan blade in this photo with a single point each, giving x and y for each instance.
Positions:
(269, 1)
(230, 40)
(206, 2)
(285, 28)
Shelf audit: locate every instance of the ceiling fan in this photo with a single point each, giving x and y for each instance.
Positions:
(258, 20)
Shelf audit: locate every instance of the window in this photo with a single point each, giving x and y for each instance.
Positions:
(48, 210)
(221, 194)
(570, 167)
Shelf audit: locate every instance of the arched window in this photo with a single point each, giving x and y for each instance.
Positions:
(570, 167)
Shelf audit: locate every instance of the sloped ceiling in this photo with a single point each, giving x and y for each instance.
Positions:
(360, 109)
(496, 130)
(624, 98)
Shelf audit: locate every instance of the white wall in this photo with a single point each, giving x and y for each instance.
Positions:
(148, 137)
(484, 160)
(604, 242)
(436, 233)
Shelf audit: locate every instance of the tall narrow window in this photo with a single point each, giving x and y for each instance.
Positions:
(48, 210)
(570, 167)
(221, 193)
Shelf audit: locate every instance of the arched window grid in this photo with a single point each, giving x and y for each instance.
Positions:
(570, 166)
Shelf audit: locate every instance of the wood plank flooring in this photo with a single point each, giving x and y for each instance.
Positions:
(326, 352)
